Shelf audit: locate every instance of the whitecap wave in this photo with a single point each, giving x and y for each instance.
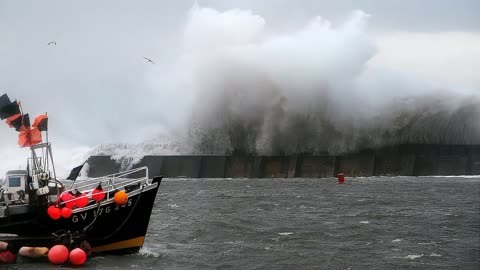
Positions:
(147, 252)
(413, 256)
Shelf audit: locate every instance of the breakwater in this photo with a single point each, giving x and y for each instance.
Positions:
(407, 160)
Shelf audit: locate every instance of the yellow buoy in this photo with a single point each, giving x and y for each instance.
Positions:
(121, 197)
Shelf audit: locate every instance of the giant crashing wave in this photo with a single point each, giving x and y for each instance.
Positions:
(307, 90)
(276, 131)
(310, 90)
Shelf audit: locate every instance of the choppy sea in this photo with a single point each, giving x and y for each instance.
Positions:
(366, 223)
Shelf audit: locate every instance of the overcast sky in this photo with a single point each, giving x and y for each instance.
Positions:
(98, 89)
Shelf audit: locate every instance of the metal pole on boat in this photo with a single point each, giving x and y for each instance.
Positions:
(46, 138)
(46, 131)
(53, 163)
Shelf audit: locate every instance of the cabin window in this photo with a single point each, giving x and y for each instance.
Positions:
(14, 182)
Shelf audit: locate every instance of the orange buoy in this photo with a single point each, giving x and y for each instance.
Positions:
(54, 212)
(98, 194)
(66, 212)
(78, 256)
(121, 197)
(81, 200)
(58, 254)
(341, 178)
(67, 199)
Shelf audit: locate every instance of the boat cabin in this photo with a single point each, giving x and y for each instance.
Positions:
(14, 187)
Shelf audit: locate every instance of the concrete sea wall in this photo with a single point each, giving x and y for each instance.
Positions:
(408, 160)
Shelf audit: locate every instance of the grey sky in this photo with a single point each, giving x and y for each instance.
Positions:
(56, 17)
(94, 82)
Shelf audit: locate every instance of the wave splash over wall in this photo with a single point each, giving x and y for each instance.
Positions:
(308, 90)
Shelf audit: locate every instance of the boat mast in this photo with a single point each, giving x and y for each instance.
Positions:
(43, 165)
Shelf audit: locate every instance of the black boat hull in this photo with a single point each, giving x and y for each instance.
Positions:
(108, 227)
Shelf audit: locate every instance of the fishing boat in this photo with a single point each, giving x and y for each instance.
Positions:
(110, 213)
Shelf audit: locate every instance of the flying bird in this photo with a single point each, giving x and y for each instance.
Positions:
(149, 60)
(52, 42)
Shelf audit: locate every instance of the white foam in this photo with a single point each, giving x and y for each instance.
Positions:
(144, 251)
(236, 242)
(364, 222)
(285, 233)
(435, 255)
(413, 256)
(396, 240)
(173, 205)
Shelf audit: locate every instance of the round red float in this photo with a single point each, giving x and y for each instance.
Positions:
(54, 212)
(58, 254)
(81, 200)
(78, 256)
(67, 199)
(98, 194)
(66, 212)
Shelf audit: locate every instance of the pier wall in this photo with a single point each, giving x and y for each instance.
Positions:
(408, 160)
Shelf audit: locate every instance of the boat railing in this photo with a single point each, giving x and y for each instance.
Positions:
(125, 180)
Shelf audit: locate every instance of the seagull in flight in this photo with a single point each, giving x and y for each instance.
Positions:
(52, 42)
(149, 60)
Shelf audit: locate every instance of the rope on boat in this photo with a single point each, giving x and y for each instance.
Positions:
(121, 225)
(93, 221)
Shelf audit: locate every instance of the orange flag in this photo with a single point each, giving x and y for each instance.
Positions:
(29, 137)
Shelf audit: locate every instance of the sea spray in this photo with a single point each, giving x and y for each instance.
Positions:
(308, 90)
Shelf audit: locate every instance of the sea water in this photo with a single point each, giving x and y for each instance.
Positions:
(365, 223)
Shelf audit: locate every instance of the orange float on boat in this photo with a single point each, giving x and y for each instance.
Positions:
(121, 197)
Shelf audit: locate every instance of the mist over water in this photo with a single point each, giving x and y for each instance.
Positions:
(309, 90)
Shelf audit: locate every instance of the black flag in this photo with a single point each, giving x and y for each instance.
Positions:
(8, 110)
(41, 122)
(4, 100)
(75, 172)
(16, 122)
(26, 121)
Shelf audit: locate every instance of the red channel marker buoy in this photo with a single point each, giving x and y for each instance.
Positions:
(341, 178)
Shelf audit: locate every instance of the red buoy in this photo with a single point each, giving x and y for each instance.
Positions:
(341, 178)
(66, 212)
(54, 212)
(81, 200)
(67, 199)
(98, 194)
(78, 256)
(58, 254)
